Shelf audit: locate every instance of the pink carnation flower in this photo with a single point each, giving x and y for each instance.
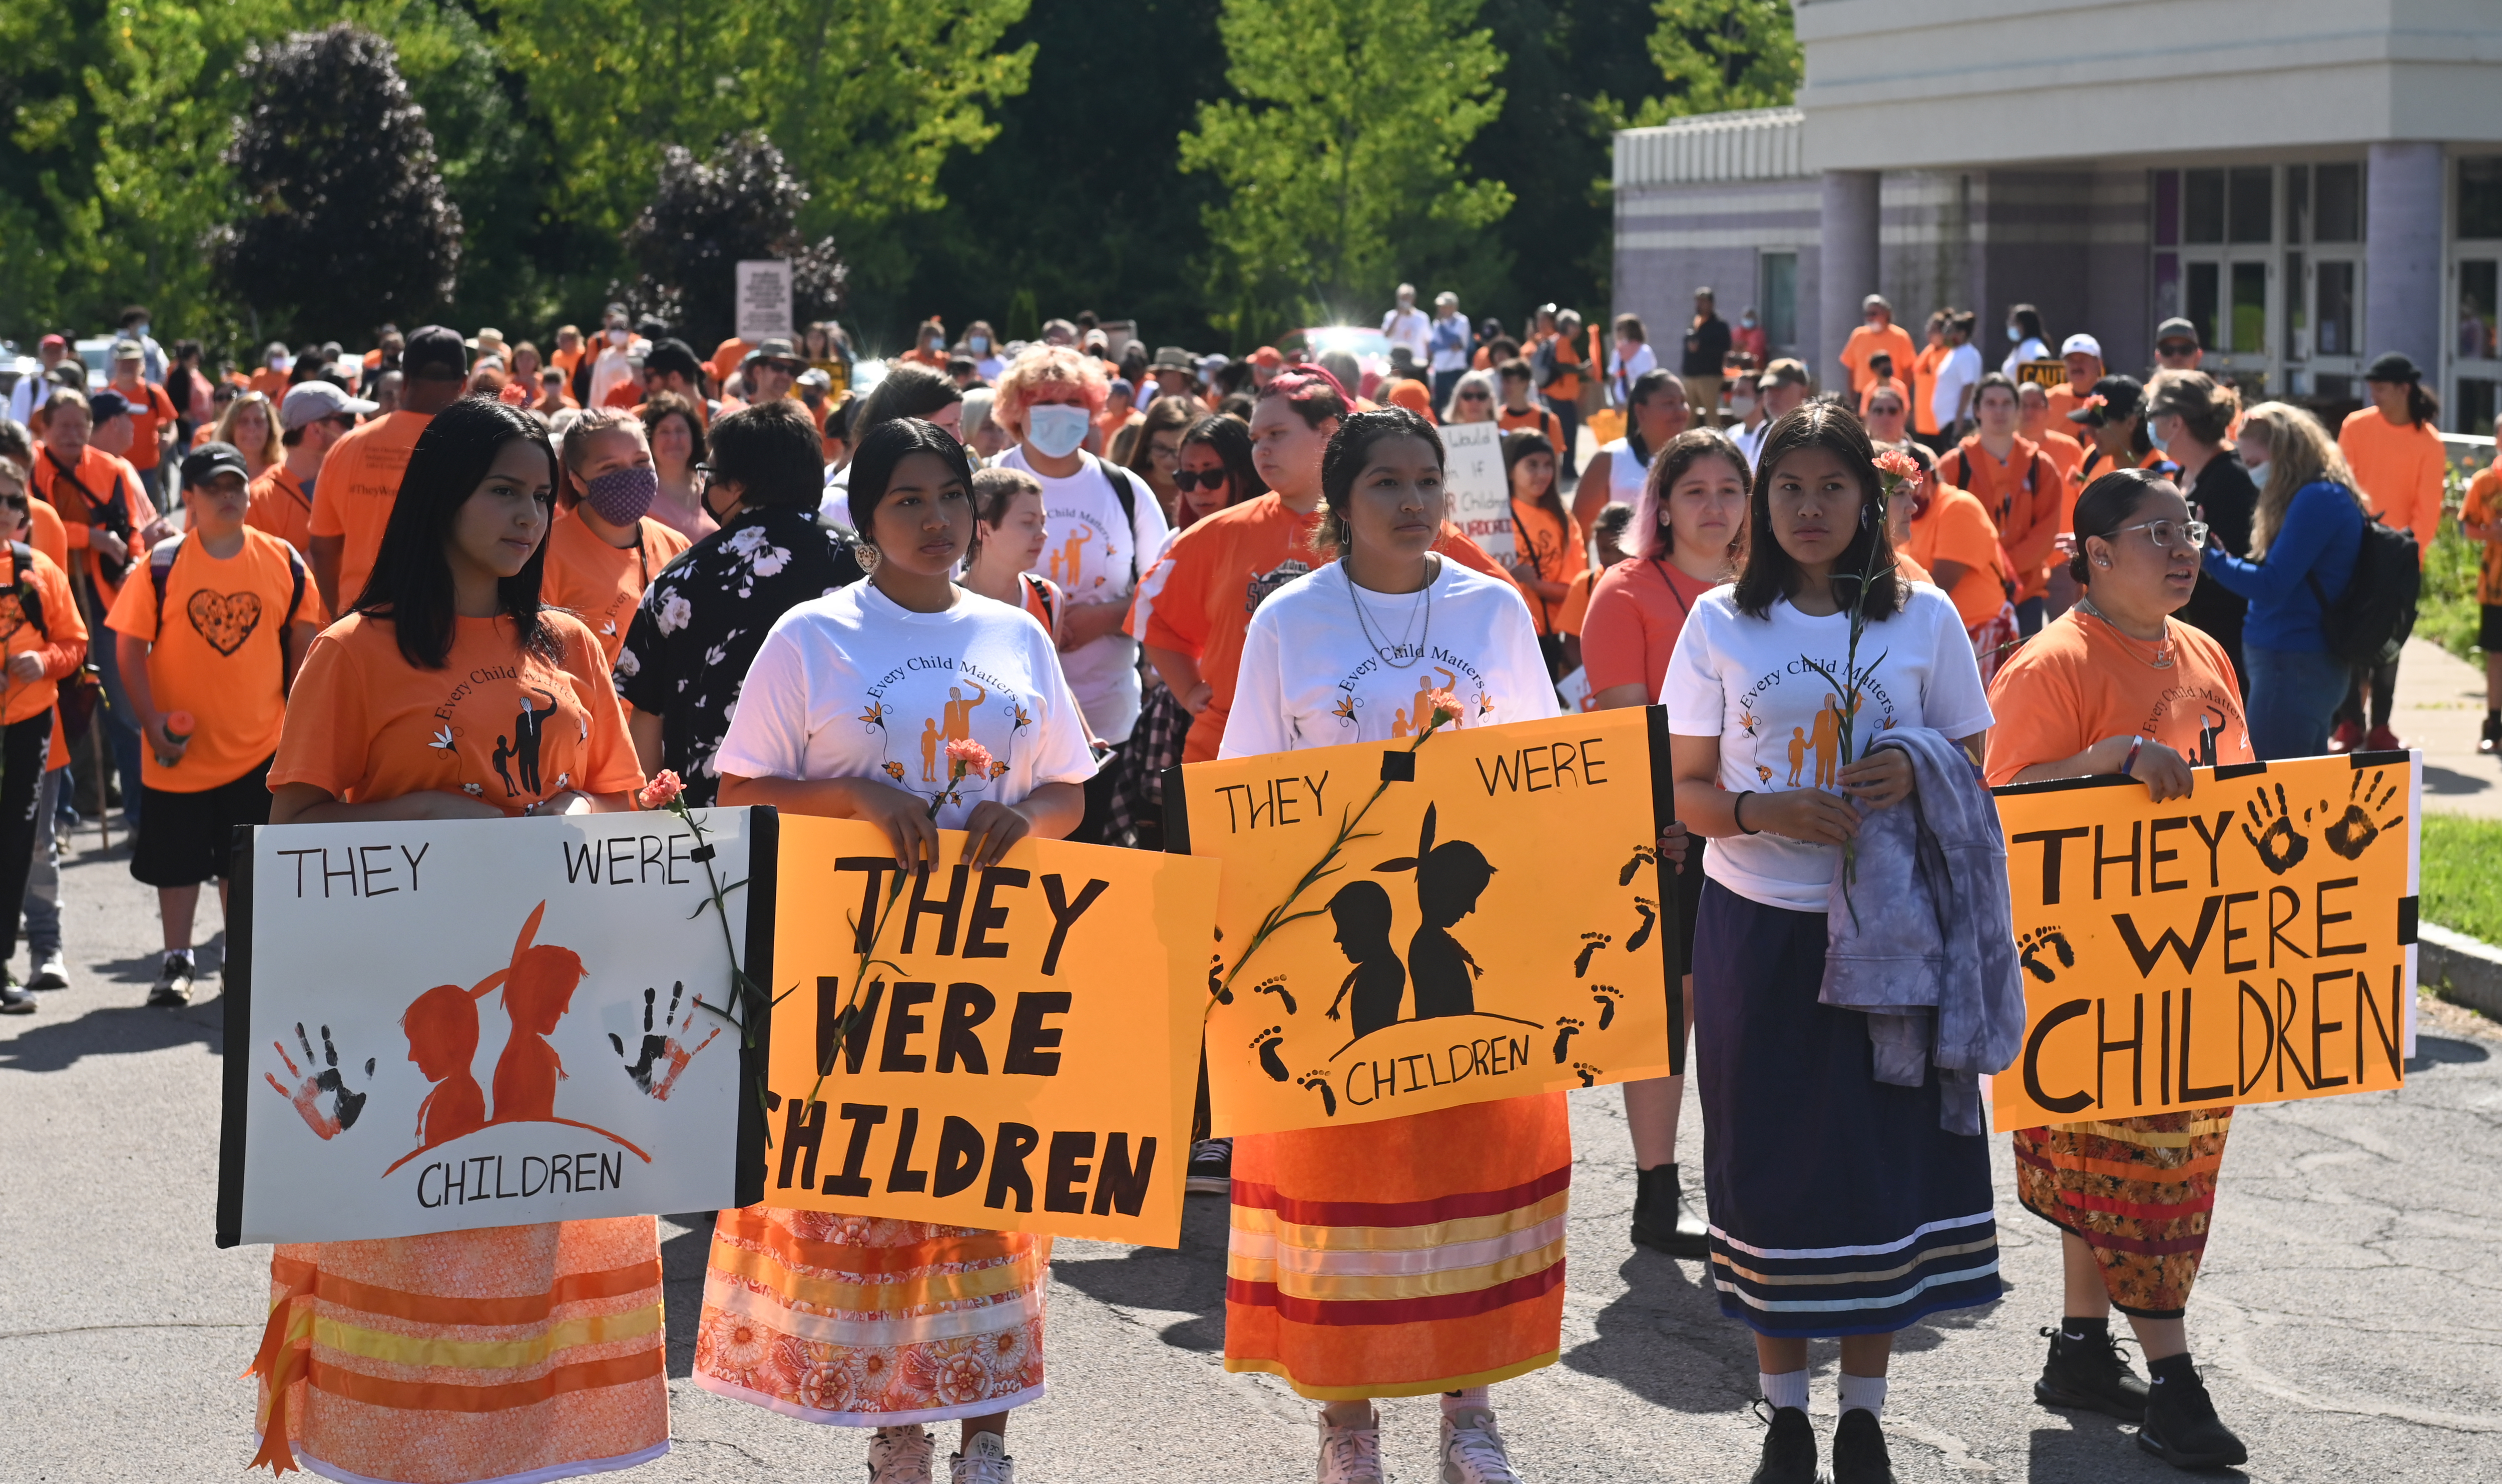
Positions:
(969, 756)
(662, 791)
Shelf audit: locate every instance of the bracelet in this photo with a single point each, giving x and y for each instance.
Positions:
(1737, 817)
(2128, 763)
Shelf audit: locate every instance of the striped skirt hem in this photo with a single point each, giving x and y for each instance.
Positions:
(903, 1419)
(547, 1476)
(1278, 1368)
(1867, 1289)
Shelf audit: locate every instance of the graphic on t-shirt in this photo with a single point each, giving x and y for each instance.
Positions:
(955, 701)
(527, 729)
(1256, 591)
(1803, 749)
(1065, 557)
(226, 620)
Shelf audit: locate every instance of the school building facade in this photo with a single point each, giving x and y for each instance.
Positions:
(2309, 181)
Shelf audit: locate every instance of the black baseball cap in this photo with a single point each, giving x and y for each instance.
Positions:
(210, 460)
(2393, 366)
(673, 356)
(2113, 397)
(106, 405)
(433, 351)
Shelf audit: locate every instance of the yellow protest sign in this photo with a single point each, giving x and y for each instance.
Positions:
(2050, 371)
(2253, 942)
(1478, 916)
(1021, 1044)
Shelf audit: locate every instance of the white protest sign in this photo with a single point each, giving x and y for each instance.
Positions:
(1480, 491)
(435, 1026)
(764, 299)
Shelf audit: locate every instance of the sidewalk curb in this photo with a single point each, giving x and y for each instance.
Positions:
(2465, 970)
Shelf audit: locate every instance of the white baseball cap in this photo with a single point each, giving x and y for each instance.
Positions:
(2081, 345)
(309, 402)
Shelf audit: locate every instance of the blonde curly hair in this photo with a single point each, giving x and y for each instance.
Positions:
(1037, 365)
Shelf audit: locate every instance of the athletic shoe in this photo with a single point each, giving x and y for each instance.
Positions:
(2490, 742)
(2090, 1375)
(1789, 1449)
(1859, 1455)
(2348, 736)
(986, 1464)
(2180, 1425)
(14, 1001)
(2382, 740)
(173, 987)
(1665, 1219)
(900, 1456)
(1473, 1450)
(1211, 1168)
(1351, 1455)
(51, 973)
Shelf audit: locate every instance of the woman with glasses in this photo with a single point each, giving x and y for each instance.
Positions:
(1471, 399)
(2117, 685)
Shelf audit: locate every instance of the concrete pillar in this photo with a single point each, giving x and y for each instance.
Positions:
(2402, 253)
(1849, 272)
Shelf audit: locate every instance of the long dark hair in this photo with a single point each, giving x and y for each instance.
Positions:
(411, 584)
(1646, 387)
(1344, 459)
(1230, 438)
(1653, 536)
(1772, 573)
(1518, 444)
(889, 444)
(2105, 507)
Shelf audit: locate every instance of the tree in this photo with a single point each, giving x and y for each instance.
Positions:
(1723, 54)
(705, 216)
(342, 218)
(1341, 154)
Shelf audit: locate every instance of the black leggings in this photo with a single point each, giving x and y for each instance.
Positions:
(2384, 680)
(24, 747)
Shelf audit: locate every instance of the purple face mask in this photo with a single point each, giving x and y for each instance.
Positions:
(622, 496)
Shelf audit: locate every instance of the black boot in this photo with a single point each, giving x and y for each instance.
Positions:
(1664, 1220)
(1789, 1449)
(1859, 1455)
(2088, 1372)
(2180, 1425)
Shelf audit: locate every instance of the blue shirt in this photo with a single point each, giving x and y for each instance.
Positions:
(2320, 535)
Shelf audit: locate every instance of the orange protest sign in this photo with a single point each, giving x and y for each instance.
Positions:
(2253, 942)
(1013, 1049)
(1476, 916)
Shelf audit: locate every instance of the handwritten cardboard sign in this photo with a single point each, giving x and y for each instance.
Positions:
(1480, 491)
(2253, 942)
(1483, 916)
(435, 1026)
(1022, 1051)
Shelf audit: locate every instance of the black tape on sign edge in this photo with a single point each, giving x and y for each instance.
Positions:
(763, 881)
(2384, 758)
(1672, 927)
(237, 995)
(2066, 784)
(1176, 814)
(2405, 921)
(2226, 772)
(1398, 765)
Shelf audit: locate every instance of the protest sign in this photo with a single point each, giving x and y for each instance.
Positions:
(441, 1025)
(1021, 1047)
(1481, 916)
(764, 299)
(2253, 942)
(1480, 492)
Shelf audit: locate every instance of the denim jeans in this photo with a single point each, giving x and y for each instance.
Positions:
(44, 872)
(2294, 695)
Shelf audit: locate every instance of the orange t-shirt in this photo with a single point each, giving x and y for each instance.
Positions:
(1956, 528)
(2024, 497)
(270, 383)
(150, 410)
(1554, 542)
(2064, 398)
(496, 722)
(2064, 451)
(218, 653)
(1456, 544)
(360, 484)
(46, 534)
(94, 475)
(62, 652)
(602, 583)
(1566, 370)
(1873, 386)
(1924, 380)
(1576, 600)
(281, 507)
(2400, 471)
(1867, 341)
(727, 356)
(565, 360)
(1199, 599)
(1637, 610)
(2080, 681)
(1537, 420)
(2483, 507)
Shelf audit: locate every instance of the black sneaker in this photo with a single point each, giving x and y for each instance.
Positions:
(2089, 1373)
(173, 987)
(2182, 1428)
(1789, 1449)
(1664, 1220)
(1859, 1455)
(14, 1001)
(1211, 1168)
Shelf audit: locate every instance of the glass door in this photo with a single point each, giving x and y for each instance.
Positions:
(2323, 258)
(2475, 351)
(2228, 272)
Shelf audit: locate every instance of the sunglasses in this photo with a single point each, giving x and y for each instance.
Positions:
(1187, 480)
(2177, 348)
(1475, 396)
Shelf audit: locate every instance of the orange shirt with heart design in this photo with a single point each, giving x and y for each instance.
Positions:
(216, 652)
(602, 583)
(497, 723)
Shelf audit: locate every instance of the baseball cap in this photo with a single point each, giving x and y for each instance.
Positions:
(210, 460)
(128, 350)
(436, 351)
(2081, 345)
(1784, 372)
(2176, 328)
(1121, 388)
(59, 340)
(2113, 397)
(2387, 367)
(1269, 358)
(106, 405)
(309, 402)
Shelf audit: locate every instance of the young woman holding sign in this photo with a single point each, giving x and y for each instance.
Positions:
(1814, 1168)
(518, 1352)
(860, 1321)
(2115, 685)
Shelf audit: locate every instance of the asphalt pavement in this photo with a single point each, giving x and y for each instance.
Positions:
(2349, 1318)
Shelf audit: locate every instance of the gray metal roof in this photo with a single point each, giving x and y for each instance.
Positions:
(1760, 143)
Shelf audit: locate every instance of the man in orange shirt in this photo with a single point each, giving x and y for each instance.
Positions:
(2061, 448)
(2083, 355)
(270, 381)
(362, 476)
(772, 371)
(672, 367)
(151, 415)
(2401, 470)
(1878, 333)
(602, 550)
(311, 421)
(568, 354)
(2017, 487)
(1518, 409)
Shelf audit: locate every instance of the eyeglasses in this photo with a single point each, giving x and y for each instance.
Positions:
(2177, 348)
(702, 474)
(2165, 535)
(1187, 480)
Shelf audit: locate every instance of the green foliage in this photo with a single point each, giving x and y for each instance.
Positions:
(709, 215)
(2447, 611)
(2463, 890)
(1341, 155)
(1723, 54)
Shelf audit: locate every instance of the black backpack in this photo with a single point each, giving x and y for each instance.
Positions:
(2371, 621)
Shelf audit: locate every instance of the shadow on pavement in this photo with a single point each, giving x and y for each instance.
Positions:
(1665, 1340)
(1189, 1279)
(115, 1030)
(2440, 780)
(2094, 1449)
(2442, 1051)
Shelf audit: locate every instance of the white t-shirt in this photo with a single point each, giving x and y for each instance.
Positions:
(1958, 371)
(2031, 349)
(1746, 682)
(853, 685)
(1097, 557)
(1409, 327)
(1750, 440)
(1311, 677)
(1623, 370)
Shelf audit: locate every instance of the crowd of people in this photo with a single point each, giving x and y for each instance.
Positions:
(645, 563)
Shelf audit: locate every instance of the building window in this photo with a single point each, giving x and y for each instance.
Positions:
(2476, 294)
(1778, 293)
(2202, 213)
(2253, 199)
(2474, 412)
(2339, 216)
(2335, 293)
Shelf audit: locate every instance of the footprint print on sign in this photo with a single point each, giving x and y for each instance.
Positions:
(1565, 1027)
(1606, 995)
(1319, 1083)
(2036, 946)
(1591, 943)
(1643, 855)
(1588, 1074)
(1267, 1043)
(2355, 829)
(1216, 979)
(1649, 911)
(1275, 984)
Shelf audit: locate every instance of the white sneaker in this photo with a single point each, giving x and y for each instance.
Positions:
(173, 987)
(50, 973)
(988, 1462)
(1351, 1455)
(900, 1456)
(1473, 1450)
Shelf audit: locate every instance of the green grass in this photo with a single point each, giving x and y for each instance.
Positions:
(2462, 875)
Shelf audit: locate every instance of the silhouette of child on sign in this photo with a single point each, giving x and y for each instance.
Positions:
(1450, 877)
(442, 1027)
(1378, 982)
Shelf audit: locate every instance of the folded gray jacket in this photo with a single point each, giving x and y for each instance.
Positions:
(1930, 952)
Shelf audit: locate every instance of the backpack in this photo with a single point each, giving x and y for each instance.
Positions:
(1125, 488)
(160, 574)
(2371, 621)
(30, 598)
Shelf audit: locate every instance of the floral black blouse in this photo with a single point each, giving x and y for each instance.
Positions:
(704, 617)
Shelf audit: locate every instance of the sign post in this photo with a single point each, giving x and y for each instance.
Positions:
(764, 299)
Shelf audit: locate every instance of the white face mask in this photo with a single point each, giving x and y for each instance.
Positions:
(2013, 335)
(1056, 429)
(615, 337)
(2259, 474)
(1742, 406)
(2155, 435)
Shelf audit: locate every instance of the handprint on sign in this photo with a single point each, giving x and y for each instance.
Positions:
(344, 1106)
(2355, 829)
(664, 1056)
(2280, 845)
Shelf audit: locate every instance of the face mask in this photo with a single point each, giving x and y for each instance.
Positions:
(1742, 406)
(622, 496)
(615, 337)
(282, 364)
(978, 344)
(2162, 445)
(1056, 429)
(1748, 320)
(2013, 335)
(2259, 474)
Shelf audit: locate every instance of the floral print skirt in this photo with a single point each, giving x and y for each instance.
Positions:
(863, 1322)
(2140, 1192)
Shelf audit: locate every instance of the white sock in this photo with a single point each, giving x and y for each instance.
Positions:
(1865, 1393)
(1466, 1399)
(1788, 1389)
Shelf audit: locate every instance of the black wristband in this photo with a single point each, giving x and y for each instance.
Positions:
(1739, 818)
